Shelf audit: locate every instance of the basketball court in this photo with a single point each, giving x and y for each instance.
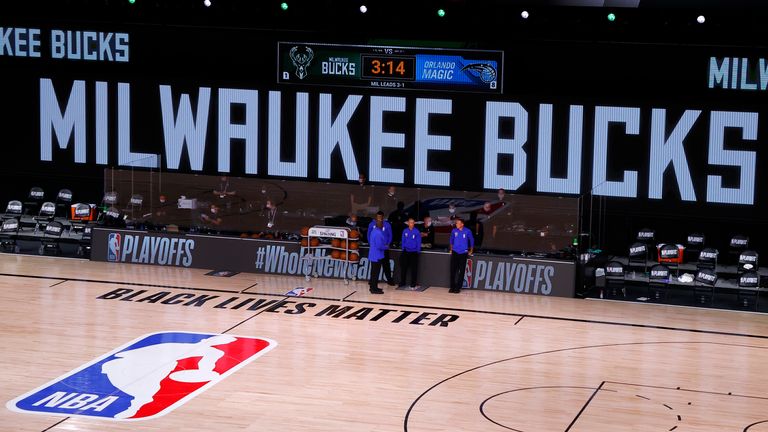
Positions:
(343, 359)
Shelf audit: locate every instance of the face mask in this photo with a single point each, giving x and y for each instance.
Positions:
(214, 211)
(390, 194)
(452, 210)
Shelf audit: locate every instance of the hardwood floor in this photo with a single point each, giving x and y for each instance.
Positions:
(346, 360)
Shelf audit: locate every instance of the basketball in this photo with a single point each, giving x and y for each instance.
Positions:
(335, 254)
(354, 245)
(244, 235)
(304, 231)
(314, 242)
(342, 255)
(354, 257)
(336, 243)
(354, 234)
(256, 235)
(303, 242)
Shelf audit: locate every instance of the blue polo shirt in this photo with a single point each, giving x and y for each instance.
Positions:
(376, 241)
(462, 240)
(386, 229)
(411, 240)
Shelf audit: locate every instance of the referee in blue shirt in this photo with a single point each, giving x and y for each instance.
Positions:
(377, 243)
(461, 246)
(409, 259)
(386, 229)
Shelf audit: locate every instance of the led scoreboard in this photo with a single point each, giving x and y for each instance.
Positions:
(389, 67)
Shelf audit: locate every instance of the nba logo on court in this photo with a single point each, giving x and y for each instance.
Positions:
(113, 247)
(149, 377)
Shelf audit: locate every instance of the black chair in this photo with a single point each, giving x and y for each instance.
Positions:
(84, 248)
(704, 284)
(646, 235)
(63, 201)
(669, 255)
(658, 281)
(707, 259)
(739, 243)
(638, 256)
(113, 218)
(110, 199)
(50, 243)
(136, 202)
(14, 209)
(34, 199)
(614, 278)
(9, 233)
(135, 206)
(45, 216)
(748, 262)
(694, 245)
(749, 286)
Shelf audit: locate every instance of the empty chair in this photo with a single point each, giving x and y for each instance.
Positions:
(34, 199)
(669, 254)
(638, 256)
(63, 201)
(9, 232)
(739, 243)
(110, 199)
(137, 201)
(707, 259)
(49, 243)
(694, 245)
(135, 205)
(45, 216)
(704, 284)
(658, 281)
(113, 218)
(14, 209)
(614, 278)
(84, 248)
(747, 262)
(646, 235)
(749, 286)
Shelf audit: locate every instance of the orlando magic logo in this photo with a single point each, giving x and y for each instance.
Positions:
(301, 57)
(148, 377)
(486, 72)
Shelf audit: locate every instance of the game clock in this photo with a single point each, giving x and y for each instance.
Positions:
(388, 67)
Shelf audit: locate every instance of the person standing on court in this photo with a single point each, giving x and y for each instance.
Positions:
(386, 228)
(409, 259)
(378, 244)
(462, 244)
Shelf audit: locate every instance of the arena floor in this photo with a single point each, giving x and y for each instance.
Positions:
(340, 359)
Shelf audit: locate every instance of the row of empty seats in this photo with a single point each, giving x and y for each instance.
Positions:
(660, 278)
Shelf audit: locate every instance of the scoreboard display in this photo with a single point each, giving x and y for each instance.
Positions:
(387, 67)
